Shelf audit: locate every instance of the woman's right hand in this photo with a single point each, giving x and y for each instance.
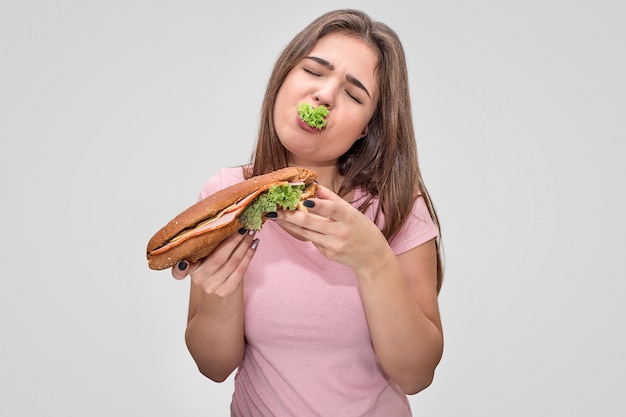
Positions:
(215, 336)
(221, 273)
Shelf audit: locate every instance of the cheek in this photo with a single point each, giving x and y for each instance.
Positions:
(340, 146)
(357, 124)
(283, 104)
(279, 109)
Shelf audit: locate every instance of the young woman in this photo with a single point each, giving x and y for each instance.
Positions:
(331, 311)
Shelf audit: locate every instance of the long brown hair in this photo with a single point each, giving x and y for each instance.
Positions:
(384, 163)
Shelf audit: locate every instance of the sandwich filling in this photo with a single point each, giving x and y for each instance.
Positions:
(250, 210)
(283, 196)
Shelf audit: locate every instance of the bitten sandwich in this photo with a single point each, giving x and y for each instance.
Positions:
(197, 231)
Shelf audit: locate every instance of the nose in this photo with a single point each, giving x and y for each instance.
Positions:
(321, 101)
(325, 95)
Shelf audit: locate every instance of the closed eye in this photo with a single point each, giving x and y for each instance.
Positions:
(351, 79)
(353, 97)
(310, 71)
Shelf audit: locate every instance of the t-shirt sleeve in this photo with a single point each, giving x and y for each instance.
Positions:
(222, 179)
(417, 229)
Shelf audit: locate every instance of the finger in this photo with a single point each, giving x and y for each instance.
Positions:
(327, 204)
(232, 247)
(304, 226)
(219, 266)
(232, 282)
(326, 193)
(179, 271)
(183, 268)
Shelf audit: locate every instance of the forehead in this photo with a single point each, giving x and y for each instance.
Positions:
(349, 54)
(340, 45)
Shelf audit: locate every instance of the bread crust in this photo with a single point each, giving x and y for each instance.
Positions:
(198, 247)
(193, 249)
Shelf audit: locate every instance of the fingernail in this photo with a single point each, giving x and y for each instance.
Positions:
(271, 215)
(182, 265)
(309, 203)
(254, 244)
(251, 232)
(242, 231)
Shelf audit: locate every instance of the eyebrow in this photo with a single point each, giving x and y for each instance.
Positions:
(351, 79)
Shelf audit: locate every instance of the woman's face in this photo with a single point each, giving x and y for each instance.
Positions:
(339, 73)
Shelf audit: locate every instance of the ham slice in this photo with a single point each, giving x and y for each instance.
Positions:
(221, 219)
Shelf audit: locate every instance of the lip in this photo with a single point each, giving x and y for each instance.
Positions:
(306, 127)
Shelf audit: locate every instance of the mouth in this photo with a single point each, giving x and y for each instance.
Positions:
(314, 117)
(304, 126)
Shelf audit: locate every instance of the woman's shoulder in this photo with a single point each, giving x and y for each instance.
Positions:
(224, 177)
(417, 228)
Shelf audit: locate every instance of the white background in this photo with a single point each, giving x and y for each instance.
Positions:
(113, 113)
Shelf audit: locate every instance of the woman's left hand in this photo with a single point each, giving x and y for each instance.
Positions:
(338, 230)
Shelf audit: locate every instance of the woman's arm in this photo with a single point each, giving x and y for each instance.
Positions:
(399, 293)
(400, 300)
(214, 334)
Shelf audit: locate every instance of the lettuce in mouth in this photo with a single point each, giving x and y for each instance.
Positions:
(283, 197)
(313, 116)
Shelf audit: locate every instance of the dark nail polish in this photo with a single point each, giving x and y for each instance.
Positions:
(271, 215)
(309, 203)
(182, 265)
(242, 231)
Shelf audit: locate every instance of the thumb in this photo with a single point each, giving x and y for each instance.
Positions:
(181, 270)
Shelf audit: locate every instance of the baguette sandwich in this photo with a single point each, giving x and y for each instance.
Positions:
(197, 231)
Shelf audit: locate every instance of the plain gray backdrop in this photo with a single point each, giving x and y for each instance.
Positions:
(113, 113)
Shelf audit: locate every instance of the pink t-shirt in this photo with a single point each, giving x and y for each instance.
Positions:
(308, 350)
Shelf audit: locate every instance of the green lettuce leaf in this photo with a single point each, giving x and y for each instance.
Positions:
(313, 116)
(278, 197)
